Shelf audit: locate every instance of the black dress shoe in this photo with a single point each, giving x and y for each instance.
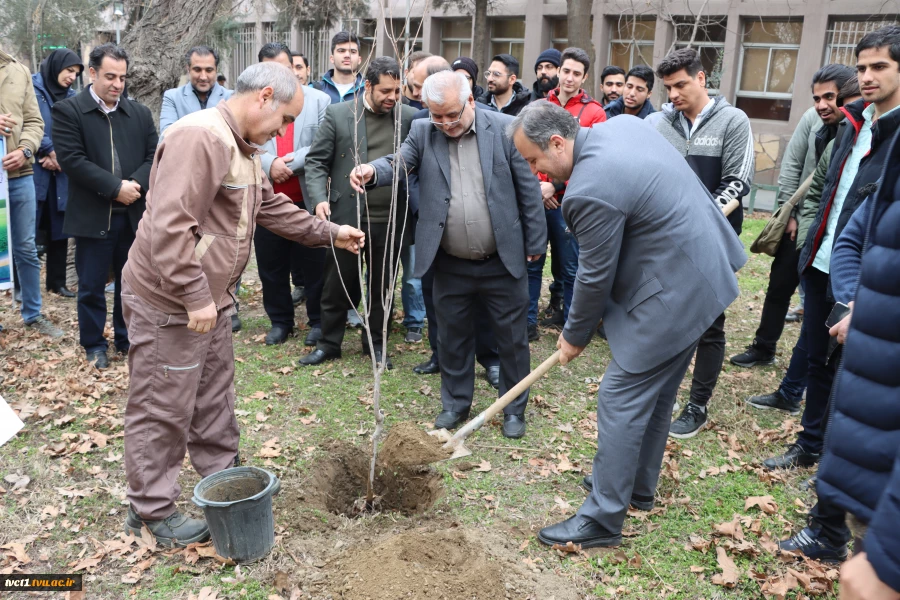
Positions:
(99, 359)
(298, 295)
(492, 374)
(533, 333)
(317, 357)
(513, 426)
(448, 419)
(313, 337)
(64, 292)
(645, 503)
(278, 335)
(579, 530)
(378, 359)
(795, 457)
(429, 367)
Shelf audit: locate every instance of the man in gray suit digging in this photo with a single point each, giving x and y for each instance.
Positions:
(480, 219)
(657, 264)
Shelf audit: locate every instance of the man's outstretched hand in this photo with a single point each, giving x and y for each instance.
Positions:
(567, 351)
(350, 238)
(360, 176)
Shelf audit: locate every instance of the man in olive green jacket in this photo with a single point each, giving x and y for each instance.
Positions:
(365, 128)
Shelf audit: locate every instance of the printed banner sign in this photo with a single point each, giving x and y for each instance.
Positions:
(6, 270)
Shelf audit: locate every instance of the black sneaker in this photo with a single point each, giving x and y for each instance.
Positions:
(753, 356)
(795, 457)
(813, 545)
(175, 531)
(298, 295)
(533, 334)
(99, 359)
(692, 419)
(776, 401)
(413, 335)
(554, 320)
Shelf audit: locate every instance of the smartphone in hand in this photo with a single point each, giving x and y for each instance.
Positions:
(837, 315)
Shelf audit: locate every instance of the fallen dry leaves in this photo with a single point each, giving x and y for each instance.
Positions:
(729, 576)
(765, 503)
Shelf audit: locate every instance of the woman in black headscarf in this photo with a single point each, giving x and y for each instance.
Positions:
(51, 84)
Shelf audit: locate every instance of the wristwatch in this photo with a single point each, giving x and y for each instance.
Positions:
(28, 154)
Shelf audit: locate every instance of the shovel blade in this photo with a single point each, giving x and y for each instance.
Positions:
(460, 452)
(441, 434)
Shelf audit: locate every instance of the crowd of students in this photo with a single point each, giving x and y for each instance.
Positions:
(80, 166)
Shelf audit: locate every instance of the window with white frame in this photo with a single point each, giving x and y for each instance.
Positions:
(707, 36)
(768, 64)
(508, 37)
(843, 35)
(559, 34)
(456, 38)
(631, 42)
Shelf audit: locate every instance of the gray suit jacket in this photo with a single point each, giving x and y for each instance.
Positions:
(181, 101)
(305, 127)
(512, 190)
(657, 257)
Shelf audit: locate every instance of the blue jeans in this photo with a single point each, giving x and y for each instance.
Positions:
(22, 214)
(411, 290)
(794, 381)
(563, 244)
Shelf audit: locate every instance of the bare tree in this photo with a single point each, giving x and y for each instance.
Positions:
(33, 27)
(578, 17)
(157, 42)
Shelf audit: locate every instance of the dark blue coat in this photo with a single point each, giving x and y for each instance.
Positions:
(860, 471)
(617, 107)
(42, 176)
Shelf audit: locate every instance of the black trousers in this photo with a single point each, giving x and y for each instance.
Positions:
(275, 259)
(708, 364)
(297, 259)
(485, 344)
(783, 282)
(343, 265)
(57, 250)
(93, 258)
(458, 286)
(816, 308)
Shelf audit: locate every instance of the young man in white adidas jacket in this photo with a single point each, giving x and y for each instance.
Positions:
(715, 139)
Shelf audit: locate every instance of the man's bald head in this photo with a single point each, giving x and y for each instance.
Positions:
(423, 69)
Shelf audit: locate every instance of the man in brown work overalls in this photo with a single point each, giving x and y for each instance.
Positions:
(207, 193)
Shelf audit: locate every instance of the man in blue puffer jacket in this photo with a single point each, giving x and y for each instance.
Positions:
(860, 470)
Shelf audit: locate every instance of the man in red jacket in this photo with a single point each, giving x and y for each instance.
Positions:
(573, 72)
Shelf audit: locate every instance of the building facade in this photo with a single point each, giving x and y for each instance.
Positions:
(760, 55)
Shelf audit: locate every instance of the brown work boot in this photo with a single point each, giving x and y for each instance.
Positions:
(175, 531)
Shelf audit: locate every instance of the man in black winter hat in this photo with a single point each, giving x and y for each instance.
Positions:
(546, 69)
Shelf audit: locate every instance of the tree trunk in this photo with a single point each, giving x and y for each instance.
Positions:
(156, 45)
(578, 14)
(480, 35)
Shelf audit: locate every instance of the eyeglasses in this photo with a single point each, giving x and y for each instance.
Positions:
(449, 123)
(496, 74)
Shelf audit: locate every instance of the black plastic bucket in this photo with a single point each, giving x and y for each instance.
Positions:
(237, 504)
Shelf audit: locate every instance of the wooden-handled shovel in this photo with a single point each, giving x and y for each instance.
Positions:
(727, 209)
(456, 442)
